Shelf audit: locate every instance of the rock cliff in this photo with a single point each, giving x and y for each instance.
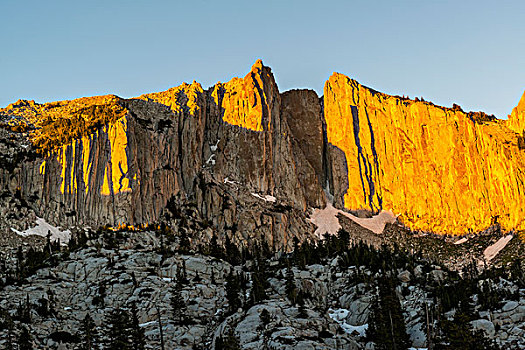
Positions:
(214, 148)
(516, 120)
(252, 161)
(441, 169)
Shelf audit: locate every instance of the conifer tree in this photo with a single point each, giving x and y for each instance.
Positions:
(215, 250)
(178, 306)
(233, 289)
(233, 255)
(181, 273)
(458, 333)
(137, 333)
(386, 323)
(290, 288)
(24, 340)
(184, 243)
(259, 282)
(89, 333)
(10, 330)
(227, 342)
(24, 311)
(118, 331)
(302, 307)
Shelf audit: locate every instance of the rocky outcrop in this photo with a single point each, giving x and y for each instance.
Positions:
(181, 143)
(440, 169)
(516, 119)
(107, 160)
(301, 109)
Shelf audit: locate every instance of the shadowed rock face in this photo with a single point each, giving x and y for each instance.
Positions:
(182, 143)
(213, 148)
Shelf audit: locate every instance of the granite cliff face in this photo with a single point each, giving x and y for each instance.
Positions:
(251, 161)
(516, 119)
(440, 169)
(215, 148)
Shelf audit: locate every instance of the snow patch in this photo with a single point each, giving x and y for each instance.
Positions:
(230, 182)
(266, 198)
(327, 222)
(211, 160)
(340, 315)
(142, 325)
(493, 250)
(214, 147)
(42, 228)
(461, 240)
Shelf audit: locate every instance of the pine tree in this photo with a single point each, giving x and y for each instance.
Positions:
(259, 280)
(98, 300)
(233, 289)
(227, 342)
(10, 331)
(386, 323)
(233, 255)
(212, 278)
(290, 288)
(89, 333)
(215, 250)
(181, 273)
(24, 311)
(178, 306)
(302, 306)
(137, 333)
(184, 243)
(458, 333)
(118, 331)
(258, 291)
(24, 340)
(265, 318)
(377, 331)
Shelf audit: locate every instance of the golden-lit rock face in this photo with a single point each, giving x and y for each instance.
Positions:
(118, 166)
(516, 120)
(66, 129)
(59, 123)
(437, 168)
(243, 100)
(110, 160)
(77, 158)
(184, 97)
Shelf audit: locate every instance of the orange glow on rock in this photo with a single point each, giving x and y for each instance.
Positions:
(436, 167)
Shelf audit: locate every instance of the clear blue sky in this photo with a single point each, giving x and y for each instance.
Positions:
(466, 52)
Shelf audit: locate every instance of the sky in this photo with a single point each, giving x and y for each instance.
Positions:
(467, 52)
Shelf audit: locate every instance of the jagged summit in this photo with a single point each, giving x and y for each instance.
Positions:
(516, 119)
(109, 160)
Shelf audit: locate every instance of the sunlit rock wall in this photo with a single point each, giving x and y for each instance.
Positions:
(516, 120)
(440, 170)
(107, 160)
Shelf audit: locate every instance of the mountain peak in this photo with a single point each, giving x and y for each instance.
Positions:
(257, 66)
(516, 120)
(381, 152)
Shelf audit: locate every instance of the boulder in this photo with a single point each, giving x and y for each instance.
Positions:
(485, 325)
(404, 276)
